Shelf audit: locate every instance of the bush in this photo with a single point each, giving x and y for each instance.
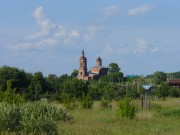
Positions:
(86, 102)
(174, 92)
(31, 118)
(125, 109)
(105, 103)
(10, 95)
(10, 117)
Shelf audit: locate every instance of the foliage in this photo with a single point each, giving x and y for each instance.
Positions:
(35, 118)
(125, 109)
(114, 67)
(102, 89)
(10, 117)
(86, 101)
(105, 103)
(162, 90)
(10, 95)
(74, 88)
(174, 92)
(159, 77)
(74, 73)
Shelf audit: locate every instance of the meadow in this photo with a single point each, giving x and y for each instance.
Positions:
(43, 117)
(162, 119)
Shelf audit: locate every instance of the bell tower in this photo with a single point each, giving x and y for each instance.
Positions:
(99, 62)
(83, 66)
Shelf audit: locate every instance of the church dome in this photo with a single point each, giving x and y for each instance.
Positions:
(98, 59)
(98, 62)
(83, 57)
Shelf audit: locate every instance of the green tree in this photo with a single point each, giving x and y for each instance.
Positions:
(162, 90)
(19, 78)
(114, 74)
(159, 77)
(10, 95)
(114, 67)
(74, 88)
(74, 73)
(37, 87)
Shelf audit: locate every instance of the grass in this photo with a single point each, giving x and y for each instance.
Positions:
(99, 121)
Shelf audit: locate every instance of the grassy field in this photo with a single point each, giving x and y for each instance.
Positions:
(162, 119)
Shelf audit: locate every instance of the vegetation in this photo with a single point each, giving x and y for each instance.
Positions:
(99, 121)
(35, 118)
(113, 102)
(125, 109)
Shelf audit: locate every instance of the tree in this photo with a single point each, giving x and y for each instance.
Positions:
(159, 77)
(114, 67)
(114, 74)
(74, 88)
(10, 95)
(162, 90)
(37, 87)
(74, 73)
(19, 78)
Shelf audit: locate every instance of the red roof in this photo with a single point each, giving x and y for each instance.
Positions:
(174, 82)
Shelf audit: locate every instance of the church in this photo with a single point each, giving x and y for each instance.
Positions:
(95, 72)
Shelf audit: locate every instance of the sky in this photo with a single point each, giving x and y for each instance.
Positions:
(141, 36)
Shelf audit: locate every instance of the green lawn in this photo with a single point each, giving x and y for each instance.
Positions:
(97, 121)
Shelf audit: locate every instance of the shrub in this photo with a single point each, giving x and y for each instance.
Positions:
(174, 92)
(10, 95)
(105, 103)
(10, 117)
(86, 102)
(31, 118)
(125, 109)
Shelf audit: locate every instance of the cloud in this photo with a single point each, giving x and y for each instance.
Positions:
(144, 47)
(141, 47)
(50, 34)
(92, 31)
(140, 10)
(109, 11)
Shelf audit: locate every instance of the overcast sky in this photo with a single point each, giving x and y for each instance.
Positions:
(142, 36)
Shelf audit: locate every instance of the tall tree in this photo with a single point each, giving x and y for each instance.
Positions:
(19, 78)
(159, 77)
(115, 75)
(74, 73)
(114, 67)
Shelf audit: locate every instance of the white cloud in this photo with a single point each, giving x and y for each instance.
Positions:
(141, 47)
(91, 32)
(50, 34)
(140, 10)
(109, 11)
(144, 47)
(74, 34)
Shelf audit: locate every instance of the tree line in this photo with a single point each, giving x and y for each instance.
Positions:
(68, 87)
